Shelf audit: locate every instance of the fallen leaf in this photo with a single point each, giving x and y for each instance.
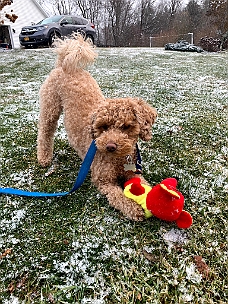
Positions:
(150, 257)
(11, 287)
(6, 252)
(201, 266)
(66, 242)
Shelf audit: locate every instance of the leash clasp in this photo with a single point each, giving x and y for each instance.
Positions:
(130, 166)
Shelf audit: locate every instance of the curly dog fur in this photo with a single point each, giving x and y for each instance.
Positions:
(115, 124)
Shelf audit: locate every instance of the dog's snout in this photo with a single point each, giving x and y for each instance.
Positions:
(111, 147)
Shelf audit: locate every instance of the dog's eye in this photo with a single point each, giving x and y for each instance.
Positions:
(103, 128)
(126, 127)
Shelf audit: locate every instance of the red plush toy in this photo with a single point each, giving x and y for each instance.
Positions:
(163, 200)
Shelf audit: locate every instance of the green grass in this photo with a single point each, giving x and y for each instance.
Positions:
(78, 249)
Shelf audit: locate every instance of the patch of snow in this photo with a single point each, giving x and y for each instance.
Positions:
(192, 274)
(13, 300)
(175, 236)
(12, 224)
(187, 298)
(92, 301)
(149, 249)
(22, 177)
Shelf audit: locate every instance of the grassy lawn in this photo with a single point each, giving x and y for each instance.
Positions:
(78, 249)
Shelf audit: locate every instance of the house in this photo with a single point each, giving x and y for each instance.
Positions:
(28, 12)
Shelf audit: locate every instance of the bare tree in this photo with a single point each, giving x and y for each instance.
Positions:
(161, 23)
(146, 13)
(195, 13)
(92, 10)
(120, 16)
(174, 6)
(60, 7)
(218, 13)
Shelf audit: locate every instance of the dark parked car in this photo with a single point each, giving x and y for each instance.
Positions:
(44, 32)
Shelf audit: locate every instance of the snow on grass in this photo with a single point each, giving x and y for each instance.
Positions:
(175, 236)
(192, 274)
(12, 300)
(78, 249)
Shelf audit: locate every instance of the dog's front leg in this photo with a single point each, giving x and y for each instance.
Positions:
(114, 193)
(116, 198)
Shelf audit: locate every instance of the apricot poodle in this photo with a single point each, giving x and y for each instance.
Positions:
(115, 124)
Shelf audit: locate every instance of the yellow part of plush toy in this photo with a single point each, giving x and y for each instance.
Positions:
(140, 199)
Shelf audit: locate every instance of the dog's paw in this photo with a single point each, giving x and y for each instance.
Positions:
(135, 213)
(44, 158)
(44, 162)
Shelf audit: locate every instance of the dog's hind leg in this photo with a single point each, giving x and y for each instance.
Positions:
(50, 110)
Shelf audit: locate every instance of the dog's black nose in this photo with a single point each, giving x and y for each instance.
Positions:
(111, 147)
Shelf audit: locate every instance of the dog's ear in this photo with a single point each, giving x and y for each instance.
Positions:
(146, 116)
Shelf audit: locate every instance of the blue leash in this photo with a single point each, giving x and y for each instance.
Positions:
(79, 181)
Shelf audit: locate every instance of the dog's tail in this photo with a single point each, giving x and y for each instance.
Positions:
(74, 53)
